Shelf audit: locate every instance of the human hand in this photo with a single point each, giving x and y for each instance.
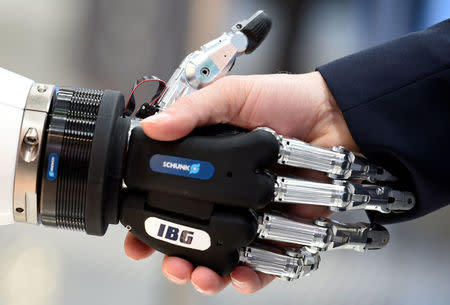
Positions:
(299, 106)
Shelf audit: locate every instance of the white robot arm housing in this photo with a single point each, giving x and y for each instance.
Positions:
(13, 97)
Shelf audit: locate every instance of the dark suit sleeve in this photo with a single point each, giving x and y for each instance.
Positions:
(396, 101)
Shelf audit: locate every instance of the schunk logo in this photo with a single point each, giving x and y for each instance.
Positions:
(52, 168)
(192, 169)
(173, 233)
(172, 165)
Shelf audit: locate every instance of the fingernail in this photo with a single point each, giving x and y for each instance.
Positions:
(235, 281)
(157, 117)
(175, 279)
(198, 288)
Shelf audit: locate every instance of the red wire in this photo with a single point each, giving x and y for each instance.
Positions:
(145, 81)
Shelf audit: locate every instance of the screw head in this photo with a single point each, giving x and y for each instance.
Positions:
(31, 137)
(205, 71)
(42, 88)
(321, 221)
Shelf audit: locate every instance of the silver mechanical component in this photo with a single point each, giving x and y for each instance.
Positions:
(338, 162)
(212, 61)
(321, 234)
(359, 237)
(342, 195)
(134, 122)
(30, 148)
(287, 264)
(283, 228)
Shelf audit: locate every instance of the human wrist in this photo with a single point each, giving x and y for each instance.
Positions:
(327, 96)
(331, 127)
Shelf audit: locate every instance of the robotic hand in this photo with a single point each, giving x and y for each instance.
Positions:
(74, 159)
(211, 193)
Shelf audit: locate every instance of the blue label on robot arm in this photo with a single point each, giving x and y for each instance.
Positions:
(172, 165)
(52, 167)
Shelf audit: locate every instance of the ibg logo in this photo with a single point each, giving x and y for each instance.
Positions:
(173, 233)
(194, 169)
(177, 234)
(178, 166)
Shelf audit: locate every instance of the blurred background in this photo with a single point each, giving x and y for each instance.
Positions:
(108, 44)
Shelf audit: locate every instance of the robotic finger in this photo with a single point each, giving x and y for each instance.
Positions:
(321, 234)
(342, 195)
(215, 59)
(288, 264)
(337, 162)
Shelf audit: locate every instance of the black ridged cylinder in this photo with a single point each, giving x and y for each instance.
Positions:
(82, 160)
(69, 142)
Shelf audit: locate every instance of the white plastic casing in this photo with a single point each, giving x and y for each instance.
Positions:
(14, 91)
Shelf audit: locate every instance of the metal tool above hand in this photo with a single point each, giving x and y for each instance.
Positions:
(212, 61)
(216, 58)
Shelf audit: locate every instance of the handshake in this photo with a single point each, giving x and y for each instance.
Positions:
(227, 211)
(189, 179)
(228, 205)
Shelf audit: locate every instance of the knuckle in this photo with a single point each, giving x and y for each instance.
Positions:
(185, 102)
(236, 90)
(228, 81)
(188, 101)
